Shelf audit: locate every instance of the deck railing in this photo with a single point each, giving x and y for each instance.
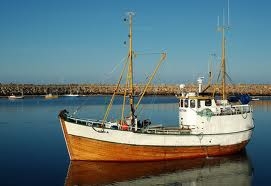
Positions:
(236, 109)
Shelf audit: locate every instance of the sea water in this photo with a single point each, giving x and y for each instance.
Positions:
(33, 150)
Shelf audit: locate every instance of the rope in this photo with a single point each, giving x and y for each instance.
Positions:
(100, 131)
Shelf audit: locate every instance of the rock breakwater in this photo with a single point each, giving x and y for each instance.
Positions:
(106, 89)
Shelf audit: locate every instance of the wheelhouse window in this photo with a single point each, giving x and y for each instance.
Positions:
(199, 103)
(208, 102)
(181, 103)
(192, 103)
(186, 103)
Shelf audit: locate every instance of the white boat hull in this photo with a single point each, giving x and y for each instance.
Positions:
(15, 97)
(133, 138)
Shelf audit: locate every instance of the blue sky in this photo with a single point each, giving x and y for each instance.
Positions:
(82, 41)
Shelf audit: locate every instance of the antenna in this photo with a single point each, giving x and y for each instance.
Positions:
(223, 17)
(224, 24)
(228, 12)
(223, 28)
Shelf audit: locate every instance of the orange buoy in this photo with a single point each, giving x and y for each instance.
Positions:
(124, 127)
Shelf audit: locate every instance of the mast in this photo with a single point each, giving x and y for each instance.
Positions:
(130, 68)
(129, 80)
(223, 65)
(223, 72)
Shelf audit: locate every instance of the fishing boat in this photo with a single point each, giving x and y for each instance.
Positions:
(254, 98)
(50, 96)
(208, 125)
(71, 95)
(12, 97)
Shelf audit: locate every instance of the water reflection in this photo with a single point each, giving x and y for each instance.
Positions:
(264, 105)
(230, 170)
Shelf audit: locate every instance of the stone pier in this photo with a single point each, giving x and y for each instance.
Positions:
(107, 89)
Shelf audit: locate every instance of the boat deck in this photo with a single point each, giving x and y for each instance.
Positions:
(166, 130)
(158, 129)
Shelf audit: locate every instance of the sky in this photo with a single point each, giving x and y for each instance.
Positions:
(82, 41)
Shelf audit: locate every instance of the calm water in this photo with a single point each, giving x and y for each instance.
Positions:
(33, 150)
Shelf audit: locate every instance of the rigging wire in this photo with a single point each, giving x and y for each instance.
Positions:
(107, 76)
(163, 57)
(148, 53)
(115, 91)
(153, 100)
(147, 77)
